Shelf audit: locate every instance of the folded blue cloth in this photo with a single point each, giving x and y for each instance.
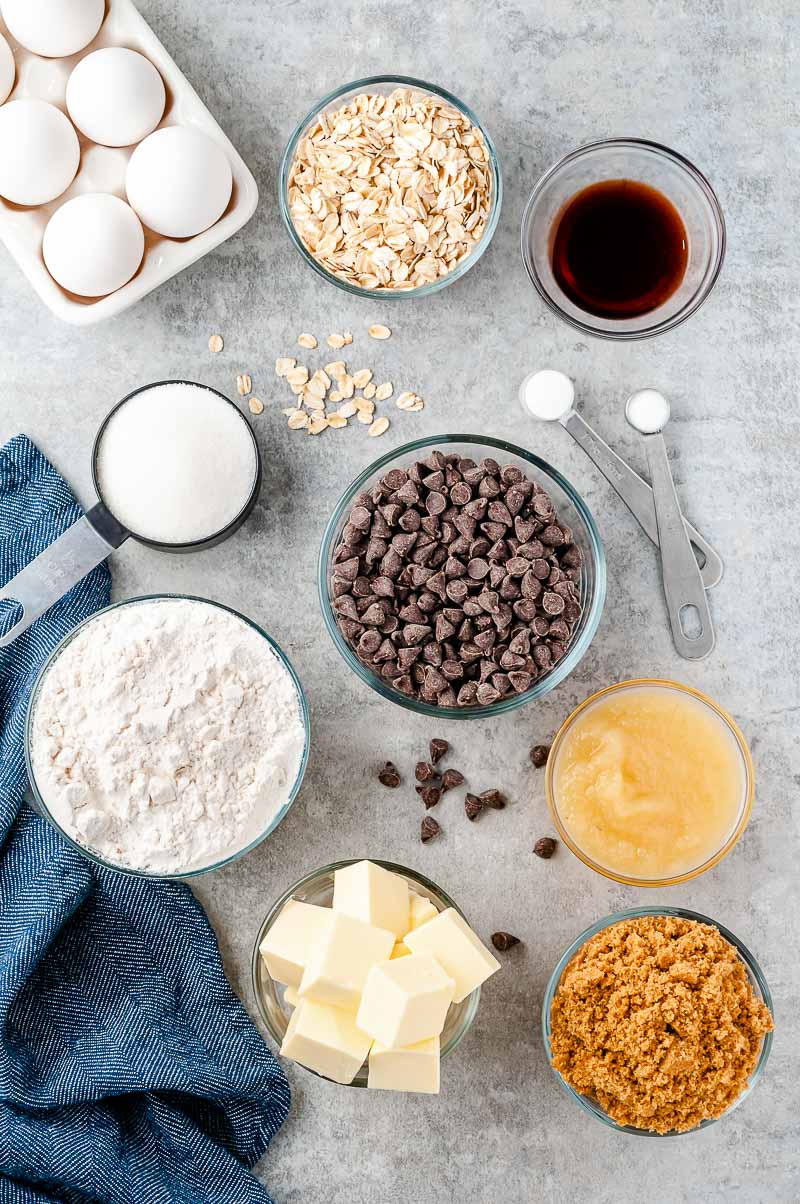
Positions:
(129, 1071)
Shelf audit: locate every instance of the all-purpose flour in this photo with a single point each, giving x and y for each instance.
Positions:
(166, 735)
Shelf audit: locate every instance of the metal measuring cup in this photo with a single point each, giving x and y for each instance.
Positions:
(97, 534)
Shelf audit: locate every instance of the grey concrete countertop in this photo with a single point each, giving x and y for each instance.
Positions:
(713, 81)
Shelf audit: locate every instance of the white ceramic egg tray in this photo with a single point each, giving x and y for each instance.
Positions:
(102, 169)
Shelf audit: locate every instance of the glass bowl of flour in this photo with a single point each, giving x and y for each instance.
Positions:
(166, 736)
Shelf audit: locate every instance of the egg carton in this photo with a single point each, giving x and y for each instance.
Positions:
(102, 169)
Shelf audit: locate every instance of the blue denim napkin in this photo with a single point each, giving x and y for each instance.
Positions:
(129, 1071)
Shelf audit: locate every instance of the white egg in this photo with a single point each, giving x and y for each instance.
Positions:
(115, 96)
(8, 69)
(39, 152)
(93, 244)
(53, 28)
(179, 181)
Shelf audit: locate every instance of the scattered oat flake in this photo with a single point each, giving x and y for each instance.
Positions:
(348, 410)
(418, 405)
(337, 369)
(383, 391)
(317, 425)
(337, 421)
(297, 376)
(336, 341)
(348, 338)
(284, 365)
(362, 377)
(369, 390)
(244, 384)
(255, 406)
(334, 396)
(365, 416)
(298, 420)
(307, 340)
(346, 386)
(215, 344)
(379, 426)
(379, 332)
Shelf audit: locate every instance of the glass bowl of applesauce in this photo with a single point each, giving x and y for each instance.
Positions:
(649, 782)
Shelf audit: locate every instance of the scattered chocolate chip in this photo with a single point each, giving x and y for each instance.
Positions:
(429, 829)
(539, 754)
(451, 778)
(424, 771)
(503, 941)
(430, 795)
(389, 776)
(473, 806)
(545, 847)
(493, 799)
(438, 748)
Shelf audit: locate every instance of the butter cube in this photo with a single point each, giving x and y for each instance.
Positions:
(285, 947)
(400, 950)
(458, 950)
(376, 896)
(341, 958)
(415, 1068)
(325, 1039)
(405, 1001)
(422, 910)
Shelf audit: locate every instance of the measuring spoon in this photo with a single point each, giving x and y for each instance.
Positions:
(687, 601)
(550, 396)
(97, 534)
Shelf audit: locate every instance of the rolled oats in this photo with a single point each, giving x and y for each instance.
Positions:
(255, 406)
(391, 192)
(244, 384)
(384, 391)
(307, 340)
(379, 426)
(284, 365)
(215, 344)
(362, 377)
(379, 332)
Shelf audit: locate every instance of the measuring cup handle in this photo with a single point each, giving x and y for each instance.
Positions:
(83, 546)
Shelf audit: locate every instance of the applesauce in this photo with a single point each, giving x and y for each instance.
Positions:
(649, 782)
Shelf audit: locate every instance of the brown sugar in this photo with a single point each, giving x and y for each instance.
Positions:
(656, 1019)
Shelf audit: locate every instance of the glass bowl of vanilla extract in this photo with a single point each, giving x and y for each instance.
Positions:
(623, 238)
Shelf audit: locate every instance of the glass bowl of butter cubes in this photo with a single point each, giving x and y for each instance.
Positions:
(368, 974)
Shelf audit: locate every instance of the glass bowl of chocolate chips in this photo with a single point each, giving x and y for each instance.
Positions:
(461, 576)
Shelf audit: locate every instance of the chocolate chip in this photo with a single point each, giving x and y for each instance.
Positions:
(452, 568)
(451, 778)
(493, 799)
(388, 776)
(429, 829)
(545, 847)
(424, 771)
(473, 806)
(539, 754)
(503, 941)
(430, 795)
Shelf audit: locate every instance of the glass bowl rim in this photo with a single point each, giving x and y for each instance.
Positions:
(473, 999)
(754, 970)
(128, 870)
(542, 685)
(493, 160)
(712, 274)
(194, 545)
(747, 762)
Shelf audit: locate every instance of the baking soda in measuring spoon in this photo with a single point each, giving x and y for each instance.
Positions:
(176, 463)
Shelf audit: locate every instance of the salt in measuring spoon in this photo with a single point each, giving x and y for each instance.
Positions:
(98, 533)
(687, 602)
(549, 395)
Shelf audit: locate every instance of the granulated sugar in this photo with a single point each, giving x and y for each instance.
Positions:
(176, 463)
(166, 735)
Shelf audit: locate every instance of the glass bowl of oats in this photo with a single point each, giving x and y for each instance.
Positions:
(390, 185)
